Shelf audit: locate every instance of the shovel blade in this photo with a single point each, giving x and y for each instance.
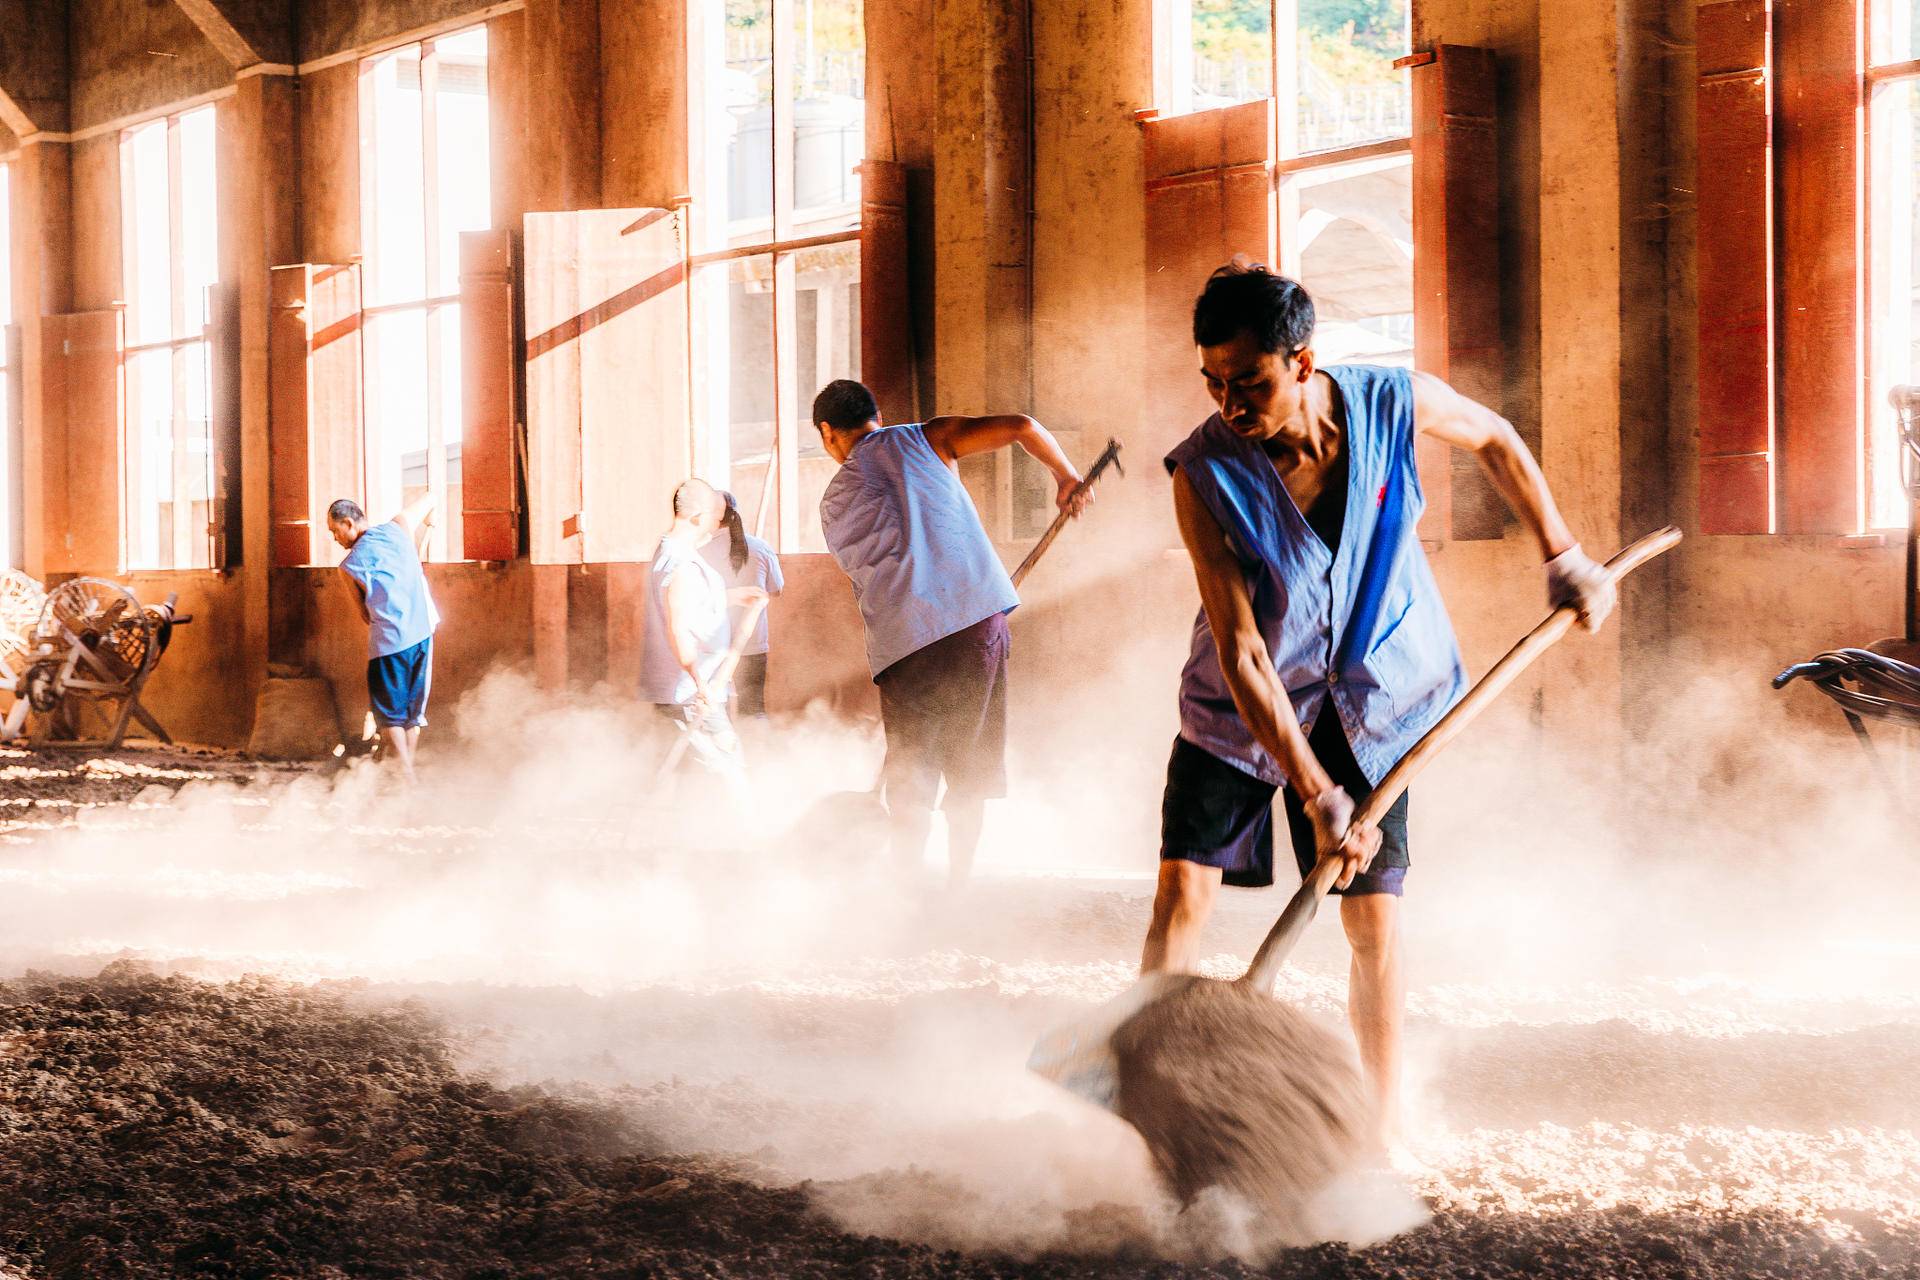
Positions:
(1078, 1055)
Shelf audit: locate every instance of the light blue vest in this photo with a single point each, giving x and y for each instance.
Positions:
(901, 526)
(1364, 626)
(384, 562)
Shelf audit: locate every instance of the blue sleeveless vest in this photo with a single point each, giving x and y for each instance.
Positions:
(902, 528)
(1362, 628)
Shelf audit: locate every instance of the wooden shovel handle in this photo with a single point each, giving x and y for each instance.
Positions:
(1305, 903)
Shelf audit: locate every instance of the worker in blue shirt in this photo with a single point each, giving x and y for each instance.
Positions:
(383, 565)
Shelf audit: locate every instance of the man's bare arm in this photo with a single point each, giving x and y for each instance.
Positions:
(954, 438)
(416, 516)
(1257, 693)
(1464, 423)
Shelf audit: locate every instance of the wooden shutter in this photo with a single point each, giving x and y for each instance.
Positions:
(608, 425)
(315, 439)
(1736, 316)
(83, 406)
(1820, 382)
(490, 417)
(1209, 195)
(1456, 269)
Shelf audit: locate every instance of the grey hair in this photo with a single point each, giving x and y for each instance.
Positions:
(346, 509)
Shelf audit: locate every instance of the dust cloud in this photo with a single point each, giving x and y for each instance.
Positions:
(1688, 982)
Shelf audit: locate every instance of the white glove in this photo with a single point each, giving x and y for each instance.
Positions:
(1574, 578)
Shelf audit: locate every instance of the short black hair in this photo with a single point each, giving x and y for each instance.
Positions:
(1245, 297)
(845, 405)
(346, 509)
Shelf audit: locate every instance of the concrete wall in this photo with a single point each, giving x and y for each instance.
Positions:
(132, 56)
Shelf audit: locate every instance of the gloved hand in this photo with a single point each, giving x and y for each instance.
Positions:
(1574, 578)
(1331, 813)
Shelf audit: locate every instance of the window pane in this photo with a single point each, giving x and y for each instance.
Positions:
(393, 177)
(199, 216)
(734, 383)
(1232, 52)
(1894, 288)
(449, 519)
(1896, 30)
(829, 114)
(147, 277)
(396, 411)
(461, 147)
(1348, 90)
(827, 304)
(1349, 237)
(150, 459)
(740, 106)
(195, 508)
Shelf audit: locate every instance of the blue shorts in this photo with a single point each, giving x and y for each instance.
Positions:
(397, 685)
(1219, 816)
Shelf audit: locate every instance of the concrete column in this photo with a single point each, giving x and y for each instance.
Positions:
(563, 104)
(983, 282)
(1602, 334)
(260, 205)
(42, 285)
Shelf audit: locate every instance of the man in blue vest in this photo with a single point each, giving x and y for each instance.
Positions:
(383, 566)
(935, 601)
(1322, 650)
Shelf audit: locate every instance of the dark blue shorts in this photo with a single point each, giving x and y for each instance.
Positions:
(1220, 816)
(397, 685)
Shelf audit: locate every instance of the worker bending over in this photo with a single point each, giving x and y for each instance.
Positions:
(383, 565)
(1322, 651)
(935, 600)
(687, 634)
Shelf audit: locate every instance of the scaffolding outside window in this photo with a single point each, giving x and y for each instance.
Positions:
(424, 179)
(1893, 262)
(1335, 65)
(778, 132)
(1345, 220)
(169, 261)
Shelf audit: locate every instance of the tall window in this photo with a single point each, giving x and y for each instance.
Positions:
(1344, 141)
(1346, 219)
(778, 129)
(1893, 277)
(169, 260)
(424, 178)
(8, 409)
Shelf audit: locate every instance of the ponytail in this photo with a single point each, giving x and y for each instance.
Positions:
(737, 530)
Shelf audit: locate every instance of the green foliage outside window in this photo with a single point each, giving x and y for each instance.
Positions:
(1350, 41)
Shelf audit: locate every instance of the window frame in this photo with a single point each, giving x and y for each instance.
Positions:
(1877, 77)
(440, 285)
(780, 490)
(177, 345)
